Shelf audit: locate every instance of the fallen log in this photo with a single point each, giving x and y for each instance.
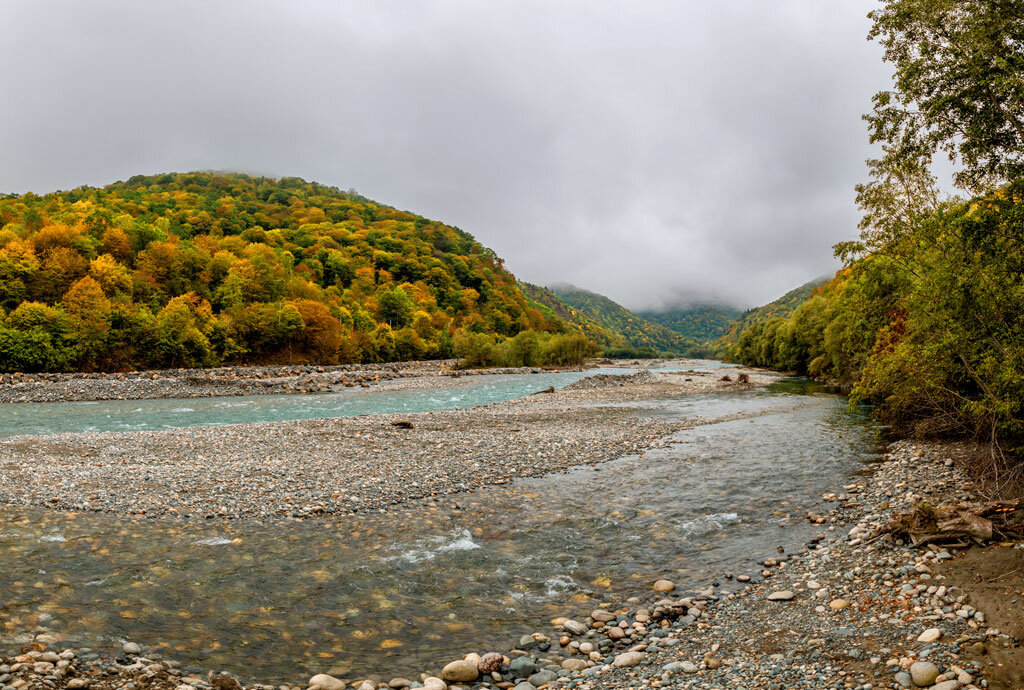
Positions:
(925, 524)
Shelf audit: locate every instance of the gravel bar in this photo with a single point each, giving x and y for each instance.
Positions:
(301, 469)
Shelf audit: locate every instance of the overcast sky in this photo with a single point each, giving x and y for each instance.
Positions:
(656, 152)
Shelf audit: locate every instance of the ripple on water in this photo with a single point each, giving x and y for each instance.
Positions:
(430, 548)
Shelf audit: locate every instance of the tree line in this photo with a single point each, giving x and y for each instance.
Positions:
(926, 319)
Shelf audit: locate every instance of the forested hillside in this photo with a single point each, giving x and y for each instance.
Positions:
(927, 319)
(637, 331)
(780, 308)
(703, 323)
(549, 304)
(198, 269)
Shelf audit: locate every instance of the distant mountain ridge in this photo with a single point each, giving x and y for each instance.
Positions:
(703, 323)
(584, 306)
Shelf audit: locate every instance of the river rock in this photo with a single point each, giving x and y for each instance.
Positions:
(575, 627)
(574, 664)
(946, 685)
(783, 595)
(904, 679)
(399, 683)
(131, 648)
(460, 671)
(523, 667)
(524, 685)
(490, 662)
(326, 682)
(930, 635)
(602, 616)
(839, 604)
(542, 677)
(923, 673)
(434, 683)
(627, 659)
(712, 662)
(616, 633)
(664, 586)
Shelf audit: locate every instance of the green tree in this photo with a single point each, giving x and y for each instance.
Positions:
(958, 86)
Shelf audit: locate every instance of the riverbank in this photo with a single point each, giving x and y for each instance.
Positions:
(847, 611)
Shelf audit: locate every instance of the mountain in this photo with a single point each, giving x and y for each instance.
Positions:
(201, 268)
(782, 307)
(553, 307)
(704, 323)
(637, 331)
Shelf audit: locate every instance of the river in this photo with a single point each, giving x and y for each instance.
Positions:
(400, 592)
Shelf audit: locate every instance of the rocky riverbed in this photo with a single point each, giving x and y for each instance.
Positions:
(337, 466)
(846, 611)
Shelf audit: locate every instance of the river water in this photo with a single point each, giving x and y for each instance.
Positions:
(394, 594)
(35, 419)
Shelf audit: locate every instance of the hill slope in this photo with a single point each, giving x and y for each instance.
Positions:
(704, 323)
(553, 307)
(780, 308)
(635, 330)
(195, 269)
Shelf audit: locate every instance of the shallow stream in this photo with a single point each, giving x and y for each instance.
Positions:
(394, 594)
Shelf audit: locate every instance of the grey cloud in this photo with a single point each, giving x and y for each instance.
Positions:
(642, 149)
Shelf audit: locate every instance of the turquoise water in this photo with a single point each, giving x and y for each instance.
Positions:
(35, 419)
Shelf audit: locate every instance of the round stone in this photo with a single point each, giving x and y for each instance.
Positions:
(664, 586)
(489, 663)
(923, 673)
(460, 671)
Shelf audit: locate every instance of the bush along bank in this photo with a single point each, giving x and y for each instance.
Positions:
(929, 328)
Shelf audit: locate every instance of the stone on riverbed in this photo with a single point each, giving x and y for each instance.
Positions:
(574, 664)
(784, 595)
(460, 671)
(490, 662)
(575, 627)
(930, 635)
(326, 682)
(523, 667)
(627, 659)
(542, 677)
(924, 673)
(664, 586)
(132, 648)
(602, 616)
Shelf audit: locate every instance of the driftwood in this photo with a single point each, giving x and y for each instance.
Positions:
(982, 522)
(402, 424)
